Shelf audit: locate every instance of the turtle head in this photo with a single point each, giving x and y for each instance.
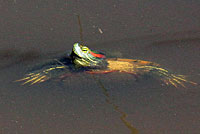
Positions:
(84, 57)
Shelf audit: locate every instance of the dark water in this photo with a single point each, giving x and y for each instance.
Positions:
(166, 32)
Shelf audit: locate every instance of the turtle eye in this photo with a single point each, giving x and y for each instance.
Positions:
(84, 49)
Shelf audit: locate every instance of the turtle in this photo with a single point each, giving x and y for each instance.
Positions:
(84, 60)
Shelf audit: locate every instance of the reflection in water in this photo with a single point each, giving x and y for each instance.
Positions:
(116, 108)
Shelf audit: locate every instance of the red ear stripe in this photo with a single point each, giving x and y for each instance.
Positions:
(97, 55)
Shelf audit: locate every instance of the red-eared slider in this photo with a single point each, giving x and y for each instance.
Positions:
(83, 59)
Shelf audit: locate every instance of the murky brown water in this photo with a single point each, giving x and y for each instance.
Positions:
(166, 32)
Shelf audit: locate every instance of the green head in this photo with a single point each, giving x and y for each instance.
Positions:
(84, 57)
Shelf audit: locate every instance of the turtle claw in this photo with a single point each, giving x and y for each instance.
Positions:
(33, 79)
(41, 75)
(177, 80)
(164, 75)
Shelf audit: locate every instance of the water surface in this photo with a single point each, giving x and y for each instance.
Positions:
(34, 31)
